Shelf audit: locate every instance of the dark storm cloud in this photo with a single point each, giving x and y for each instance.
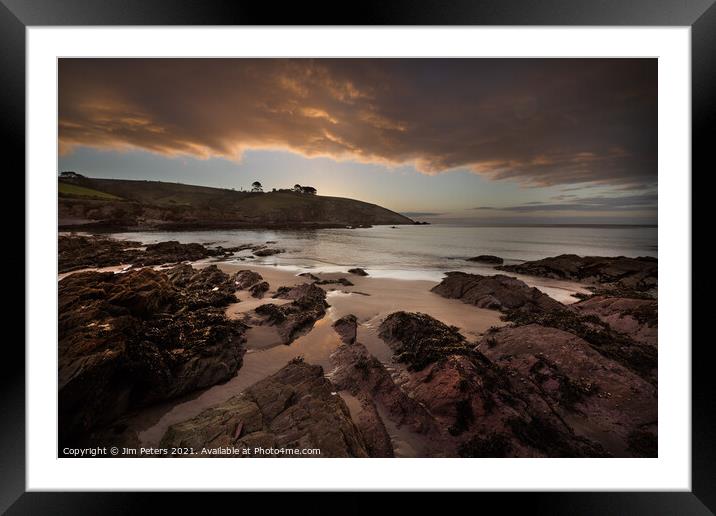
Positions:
(598, 203)
(538, 122)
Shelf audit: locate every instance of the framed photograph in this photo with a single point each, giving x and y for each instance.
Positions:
(443, 248)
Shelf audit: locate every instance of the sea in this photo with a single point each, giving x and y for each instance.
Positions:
(420, 251)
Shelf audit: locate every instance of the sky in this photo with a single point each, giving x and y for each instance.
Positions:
(503, 140)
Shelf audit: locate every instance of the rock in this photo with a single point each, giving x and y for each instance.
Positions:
(636, 318)
(224, 252)
(246, 279)
(259, 289)
(346, 327)
(524, 305)
(306, 294)
(366, 417)
(363, 376)
(638, 274)
(418, 339)
(358, 271)
(597, 397)
(129, 340)
(309, 276)
(171, 252)
(483, 408)
(268, 252)
(487, 258)
(639, 358)
(308, 305)
(496, 292)
(82, 252)
(494, 413)
(339, 281)
(207, 287)
(294, 408)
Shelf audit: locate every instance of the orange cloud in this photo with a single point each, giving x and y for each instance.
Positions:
(534, 121)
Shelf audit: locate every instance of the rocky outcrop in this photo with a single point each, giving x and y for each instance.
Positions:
(484, 409)
(496, 292)
(620, 347)
(82, 252)
(268, 251)
(308, 305)
(129, 340)
(368, 421)
(295, 408)
(358, 271)
(337, 281)
(205, 287)
(636, 318)
(251, 281)
(306, 295)
(171, 252)
(525, 305)
(246, 279)
(418, 339)
(618, 273)
(346, 327)
(487, 258)
(366, 378)
(326, 281)
(259, 289)
(598, 398)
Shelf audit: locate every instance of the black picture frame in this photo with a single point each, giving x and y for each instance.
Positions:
(700, 15)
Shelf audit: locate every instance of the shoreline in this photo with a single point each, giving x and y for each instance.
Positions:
(376, 380)
(266, 354)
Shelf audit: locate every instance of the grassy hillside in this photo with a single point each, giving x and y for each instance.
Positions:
(69, 190)
(154, 204)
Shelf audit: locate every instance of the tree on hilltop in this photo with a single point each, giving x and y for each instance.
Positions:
(256, 187)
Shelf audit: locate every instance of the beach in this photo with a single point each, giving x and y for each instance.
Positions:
(368, 297)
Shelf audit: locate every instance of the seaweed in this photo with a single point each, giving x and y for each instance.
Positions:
(419, 340)
(570, 392)
(495, 445)
(643, 443)
(463, 417)
(540, 434)
(640, 358)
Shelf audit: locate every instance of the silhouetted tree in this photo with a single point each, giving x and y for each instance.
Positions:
(308, 190)
(256, 187)
(297, 188)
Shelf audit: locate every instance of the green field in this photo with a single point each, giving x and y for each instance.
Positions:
(81, 191)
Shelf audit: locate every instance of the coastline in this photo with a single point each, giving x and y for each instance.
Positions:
(266, 354)
(371, 300)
